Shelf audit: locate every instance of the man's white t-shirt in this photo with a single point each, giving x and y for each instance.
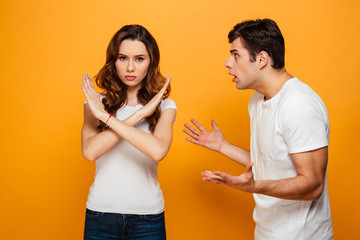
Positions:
(295, 120)
(125, 178)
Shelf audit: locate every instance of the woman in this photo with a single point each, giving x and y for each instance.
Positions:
(134, 134)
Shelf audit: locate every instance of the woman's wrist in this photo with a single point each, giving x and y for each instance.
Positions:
(139, 114)
(104, 117)
(108, 119)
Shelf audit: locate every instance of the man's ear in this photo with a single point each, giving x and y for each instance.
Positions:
(262, 59)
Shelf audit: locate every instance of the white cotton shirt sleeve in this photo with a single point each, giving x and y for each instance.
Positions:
(305, 124)
(167, 103)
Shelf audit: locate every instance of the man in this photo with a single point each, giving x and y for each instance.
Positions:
(287, 162)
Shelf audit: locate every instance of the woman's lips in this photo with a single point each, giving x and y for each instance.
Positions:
(130, 78)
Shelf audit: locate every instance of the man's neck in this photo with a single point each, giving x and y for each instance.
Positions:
(272, 83)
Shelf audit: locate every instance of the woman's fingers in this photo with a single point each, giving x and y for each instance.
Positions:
(89, 87)
(86, 83)
(166, 84)
(90, 84)
(92, 97)
(85, 87)
(155, 101)
(90, 93)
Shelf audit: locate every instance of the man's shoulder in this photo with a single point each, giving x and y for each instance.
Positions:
(298, 91)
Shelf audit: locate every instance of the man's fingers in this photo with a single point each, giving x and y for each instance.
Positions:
(191, 134)
(214, 180)
(249, 166)
(214, 125)
(198, 125)
(193, 140)
(211, 175)
(192, 129)
(222, 175)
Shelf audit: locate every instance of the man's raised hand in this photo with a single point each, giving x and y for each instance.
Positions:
(212, 140)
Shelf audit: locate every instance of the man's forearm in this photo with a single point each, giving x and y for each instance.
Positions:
(296, 188)
(237, 154)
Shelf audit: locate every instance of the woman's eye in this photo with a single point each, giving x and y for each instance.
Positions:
(122, 58)
(139, 59)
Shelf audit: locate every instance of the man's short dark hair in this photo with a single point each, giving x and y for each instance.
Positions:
(261, 35)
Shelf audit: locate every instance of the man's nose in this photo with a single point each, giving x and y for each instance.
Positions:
(227, 64)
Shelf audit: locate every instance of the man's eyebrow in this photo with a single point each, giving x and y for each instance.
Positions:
(233, 50)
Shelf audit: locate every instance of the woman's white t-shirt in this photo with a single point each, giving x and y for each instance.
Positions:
(125, 178)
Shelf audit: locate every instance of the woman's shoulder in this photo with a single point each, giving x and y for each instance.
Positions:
(167, 103)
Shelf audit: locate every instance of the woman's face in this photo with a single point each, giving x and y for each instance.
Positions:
(133, 63)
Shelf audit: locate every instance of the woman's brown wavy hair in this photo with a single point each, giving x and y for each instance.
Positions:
(115, 91)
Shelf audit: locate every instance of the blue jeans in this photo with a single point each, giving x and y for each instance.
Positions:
(99, 225)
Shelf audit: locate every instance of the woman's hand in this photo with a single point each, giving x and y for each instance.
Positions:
(150, 107)
(93, 99)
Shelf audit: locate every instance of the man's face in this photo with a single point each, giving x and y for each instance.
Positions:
(240, 66)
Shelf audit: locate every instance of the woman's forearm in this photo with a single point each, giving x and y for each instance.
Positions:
(95, 145)
(154, 145)
(100, 143)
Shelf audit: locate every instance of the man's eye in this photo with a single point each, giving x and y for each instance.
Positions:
(236, 55)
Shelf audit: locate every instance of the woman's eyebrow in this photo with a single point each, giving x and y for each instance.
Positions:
(139, 55)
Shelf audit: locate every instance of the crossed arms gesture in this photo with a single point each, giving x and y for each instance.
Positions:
(98, 110)
(95, 144)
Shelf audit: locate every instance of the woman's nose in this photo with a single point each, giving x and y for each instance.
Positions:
(131, 66)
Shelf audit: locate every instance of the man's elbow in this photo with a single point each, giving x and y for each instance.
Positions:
(316, 193)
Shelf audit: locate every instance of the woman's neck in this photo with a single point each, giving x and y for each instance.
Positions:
(132, 99)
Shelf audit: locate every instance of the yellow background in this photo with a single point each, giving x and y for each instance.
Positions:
(47, 46)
